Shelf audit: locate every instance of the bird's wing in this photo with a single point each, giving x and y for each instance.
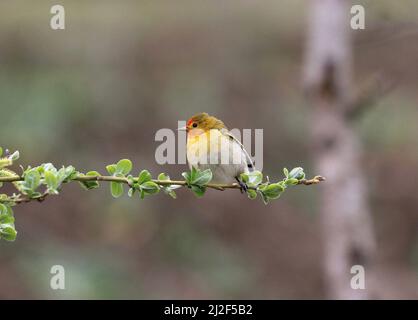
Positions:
(248, 159)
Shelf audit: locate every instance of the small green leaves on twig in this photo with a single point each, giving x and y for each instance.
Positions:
(88, 185)
(36, 183)
(270, 191)
(144, 185)
(7, 226)
(168, 189)
(197, 180)
(119, 170)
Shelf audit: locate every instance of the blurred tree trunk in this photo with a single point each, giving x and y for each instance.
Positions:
(345, 216)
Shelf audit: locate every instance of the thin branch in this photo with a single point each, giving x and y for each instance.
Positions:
(82, 178)
(41, 198)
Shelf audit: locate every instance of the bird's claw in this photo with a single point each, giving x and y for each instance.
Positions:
(243, 185)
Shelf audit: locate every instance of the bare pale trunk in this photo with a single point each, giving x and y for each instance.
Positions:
(345, 215)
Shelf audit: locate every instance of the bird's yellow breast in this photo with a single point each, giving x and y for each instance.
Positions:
(205, 143)
(214, 147)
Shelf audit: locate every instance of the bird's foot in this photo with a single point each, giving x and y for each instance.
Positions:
(243, 185)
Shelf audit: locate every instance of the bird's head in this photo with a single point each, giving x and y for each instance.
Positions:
(203, 122)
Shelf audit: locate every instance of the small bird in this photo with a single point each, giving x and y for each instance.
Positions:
(210, 145)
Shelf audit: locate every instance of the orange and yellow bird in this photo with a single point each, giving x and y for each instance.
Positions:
(210, 145)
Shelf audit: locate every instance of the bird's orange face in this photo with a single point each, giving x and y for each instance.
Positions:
(202, 122)
(191, 124)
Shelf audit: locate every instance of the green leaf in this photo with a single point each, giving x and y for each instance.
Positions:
(297, 173)
(1, 151)
(202, 178)
(66, 174)
(273, 191)
(116, 188)
(6, 219)
(32, 179)
(291, 182)
(5, 162)
(193, 173)
(35, 195)
(171, 193)
(244, 177)
(124, 166)
(286, 172)
(6, 216)
(144, 176)
(7, 232)
(91, 184)
(168, 189)
(9, 210)
(93, 174)
(3, 209)
(252, 194)
(199, 191)
(46, 167)
(51, 181)
(187, 177)
(7, 227)
(111, 168)
(252, 179)
(163, 177)
(265, 198)
(14, 156)
(150, 187)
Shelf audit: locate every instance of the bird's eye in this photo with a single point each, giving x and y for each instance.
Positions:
(194, 125)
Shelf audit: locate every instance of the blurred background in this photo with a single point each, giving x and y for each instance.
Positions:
(98, 92)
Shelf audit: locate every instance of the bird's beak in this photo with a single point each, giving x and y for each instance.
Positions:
(182, 129)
